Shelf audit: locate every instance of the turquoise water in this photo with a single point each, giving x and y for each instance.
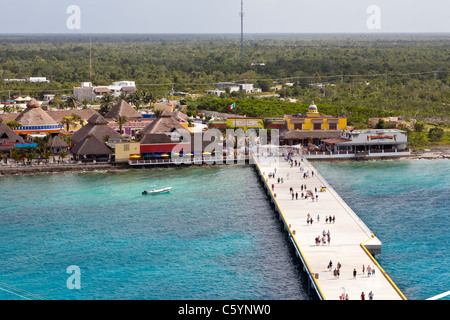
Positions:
(407, 205)
(215, 236)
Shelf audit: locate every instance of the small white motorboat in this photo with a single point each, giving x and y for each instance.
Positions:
(157, 191)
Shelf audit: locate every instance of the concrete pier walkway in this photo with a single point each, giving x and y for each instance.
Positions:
(351, 243)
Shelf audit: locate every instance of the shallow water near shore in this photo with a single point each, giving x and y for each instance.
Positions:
(215, 236)
(407, 205)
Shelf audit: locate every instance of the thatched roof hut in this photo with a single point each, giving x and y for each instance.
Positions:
(180, 116)
(165, 123)
(123, 109)
(7, 134)
(96, 126)
(57, 142)
(91, 146)
(33, 115)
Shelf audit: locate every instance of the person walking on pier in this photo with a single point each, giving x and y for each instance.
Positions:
(370, 295)
(354, 273)
(363, 296)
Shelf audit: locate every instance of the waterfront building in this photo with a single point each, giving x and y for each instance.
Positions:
(90, 148)
(125, 150)
(57, 145)
(98, 127)
(165, 123)
(311, 128)
(369, 141)
(160, 136)
(363, 143)
(36, 122)
(8, 138)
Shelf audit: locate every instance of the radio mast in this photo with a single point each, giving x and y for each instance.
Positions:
(242, 28)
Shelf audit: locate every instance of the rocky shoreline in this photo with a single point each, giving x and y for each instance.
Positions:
(55, 168)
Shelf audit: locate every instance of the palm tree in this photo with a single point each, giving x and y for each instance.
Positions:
(13, 124)
(105, 103)
(30, 154)
(67, 121)
(7, 109)
(63, 154)
(71, 102)
(120, 121)
(76, 118)
(85, 103)
(266, 123)
(16, 154)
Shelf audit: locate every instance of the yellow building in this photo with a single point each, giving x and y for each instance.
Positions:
(313, 120)
(125, 151)
(312, 127)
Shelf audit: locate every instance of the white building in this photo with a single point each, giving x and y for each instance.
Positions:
(88, 92)
(364, 144)
(246, 87)
(38, 79)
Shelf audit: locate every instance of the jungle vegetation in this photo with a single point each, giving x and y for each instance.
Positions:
(360, 76)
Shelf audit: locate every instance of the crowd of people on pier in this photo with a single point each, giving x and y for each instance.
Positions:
(304, 193)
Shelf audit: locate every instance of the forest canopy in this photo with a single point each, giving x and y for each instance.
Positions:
(405, 75)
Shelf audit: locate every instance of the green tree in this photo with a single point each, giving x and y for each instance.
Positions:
(67, 121)
(13, 124)
(121, 120)
(435, 134)
(419, 126)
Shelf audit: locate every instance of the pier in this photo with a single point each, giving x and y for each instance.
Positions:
(352, 244)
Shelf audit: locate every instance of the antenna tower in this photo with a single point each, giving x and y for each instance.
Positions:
(242, 28)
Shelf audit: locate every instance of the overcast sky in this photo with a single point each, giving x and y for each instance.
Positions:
(222, 16)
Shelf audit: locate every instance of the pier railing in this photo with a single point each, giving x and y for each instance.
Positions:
(311, 276)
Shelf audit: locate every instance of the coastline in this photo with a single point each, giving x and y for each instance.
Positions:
(11, 170)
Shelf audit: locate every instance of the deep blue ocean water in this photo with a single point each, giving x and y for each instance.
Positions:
(407, 205)
(215, 236)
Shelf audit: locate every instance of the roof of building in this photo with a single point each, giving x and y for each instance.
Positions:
(6, 133)
(164, 123)
(57, 142)
(128, 89)
(123, 109)
(313, 134)
(90, 145)
(178, 115)
(96, 126)
(335, 140)
(33, 115)
(102, 90)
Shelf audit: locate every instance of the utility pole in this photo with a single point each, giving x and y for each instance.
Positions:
(242, 28)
